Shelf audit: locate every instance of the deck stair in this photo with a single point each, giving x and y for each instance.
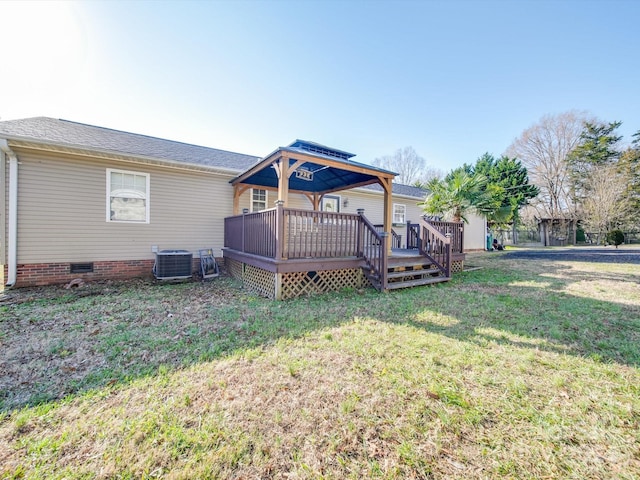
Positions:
(413, 271)
(407, 271)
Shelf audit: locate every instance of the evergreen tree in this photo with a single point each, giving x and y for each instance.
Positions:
(513, 178)
(629, 167)
(598, 147)
(493, 188)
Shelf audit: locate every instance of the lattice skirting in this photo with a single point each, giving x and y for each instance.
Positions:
(297, 284)
(259, 281)
(281, 286)
(234, 268)
(457, 266)
(256, 280)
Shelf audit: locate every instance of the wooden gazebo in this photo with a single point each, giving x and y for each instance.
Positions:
(284, 252)
(314, 171)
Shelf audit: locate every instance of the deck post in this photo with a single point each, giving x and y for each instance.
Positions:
(408, 233)
(277, 294)
(244, 213)
(447, 255)
(385, 259)
(279, 229)
(360, 234)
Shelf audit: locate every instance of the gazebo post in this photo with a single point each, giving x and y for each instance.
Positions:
(279, 230)
(388, 214)
(282, 170)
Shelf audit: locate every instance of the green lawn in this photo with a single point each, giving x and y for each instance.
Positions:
(521, 369)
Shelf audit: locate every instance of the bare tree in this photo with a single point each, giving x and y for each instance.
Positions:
(409, 166)
(428, 174)
(606, 204)
(544, 149)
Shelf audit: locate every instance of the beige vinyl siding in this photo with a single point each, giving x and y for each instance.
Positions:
(298, 201)
(62, 211)
(373, 204)
(4, 212)
(295, 200)
(475, 233)
(414, 212)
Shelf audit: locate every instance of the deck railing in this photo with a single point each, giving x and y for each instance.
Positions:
(436, 245)
(373, 248)
(290, 233)
(455, 230)
(253, 233)
(310, 234)
(300, 233)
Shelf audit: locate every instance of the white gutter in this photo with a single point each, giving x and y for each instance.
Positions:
(12, 240)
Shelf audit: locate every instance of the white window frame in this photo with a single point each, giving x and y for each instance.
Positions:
(336, 198)
(404, 213)
(146, 195)
(266, 198)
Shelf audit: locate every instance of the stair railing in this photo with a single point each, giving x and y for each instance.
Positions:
(435, 245)
(372, 246)
(413, 235)
(396, 240)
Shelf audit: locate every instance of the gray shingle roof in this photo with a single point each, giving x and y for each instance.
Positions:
(399, 189)
(71, 134)
(66, 133)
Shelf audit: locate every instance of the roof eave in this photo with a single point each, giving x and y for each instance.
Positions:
(28, 142)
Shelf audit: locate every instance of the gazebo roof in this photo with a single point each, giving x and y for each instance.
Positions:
(316, 169)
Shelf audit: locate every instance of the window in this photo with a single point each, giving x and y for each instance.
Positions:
(258, 199)
(330, 203)
(127, 196)
(399, 213)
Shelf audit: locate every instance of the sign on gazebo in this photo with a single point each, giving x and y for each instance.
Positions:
(304, 174)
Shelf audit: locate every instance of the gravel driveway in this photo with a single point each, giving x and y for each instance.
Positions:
(624, 254)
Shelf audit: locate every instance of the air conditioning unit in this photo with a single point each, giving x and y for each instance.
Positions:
(173, 265)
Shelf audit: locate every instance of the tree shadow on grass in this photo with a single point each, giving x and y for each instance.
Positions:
(541, 308)
(58, 343)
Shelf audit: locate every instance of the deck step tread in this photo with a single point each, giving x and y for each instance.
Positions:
(411, 266)
(413, 273)
(408, 262)
(417, 283)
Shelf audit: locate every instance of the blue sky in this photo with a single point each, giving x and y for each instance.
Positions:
(453, 79)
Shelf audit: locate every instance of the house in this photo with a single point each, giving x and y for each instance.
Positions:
(83, 201)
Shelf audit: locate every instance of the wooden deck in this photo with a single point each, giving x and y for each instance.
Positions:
(283, 252)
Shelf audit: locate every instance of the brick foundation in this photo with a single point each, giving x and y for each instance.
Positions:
(38, 274)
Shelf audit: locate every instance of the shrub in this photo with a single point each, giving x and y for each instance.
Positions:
(615, 237)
